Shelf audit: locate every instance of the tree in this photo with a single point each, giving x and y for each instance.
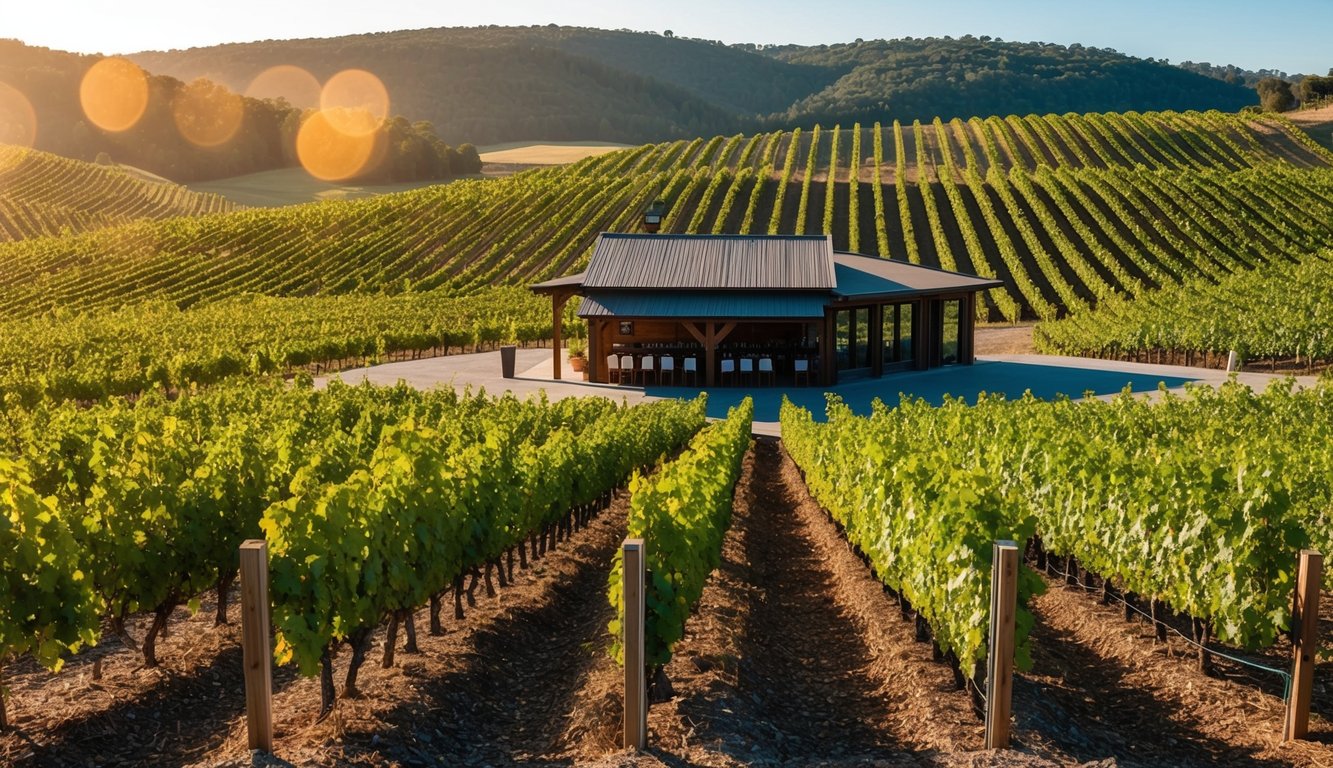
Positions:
(1314, 88)
(668, 33)
(1275, 95)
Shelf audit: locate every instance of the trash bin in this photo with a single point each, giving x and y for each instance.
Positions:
(508, 354)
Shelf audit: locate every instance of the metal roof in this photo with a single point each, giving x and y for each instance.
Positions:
(711, 262)
(568, 281)
(704, 304)
(872, 276)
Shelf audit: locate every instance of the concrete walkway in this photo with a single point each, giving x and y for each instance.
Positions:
(1045, 376)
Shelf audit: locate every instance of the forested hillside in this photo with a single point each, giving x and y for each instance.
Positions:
(190, 131)
(495, 84)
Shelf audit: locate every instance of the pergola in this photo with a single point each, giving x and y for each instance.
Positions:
(793, 297)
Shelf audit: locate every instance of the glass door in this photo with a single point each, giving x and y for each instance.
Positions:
(852, 329)
(897, 335)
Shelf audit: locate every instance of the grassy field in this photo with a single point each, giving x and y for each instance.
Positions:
(292, 186)
(547, 153)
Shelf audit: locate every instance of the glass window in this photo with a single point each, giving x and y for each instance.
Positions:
(949, 350)
(897, 333)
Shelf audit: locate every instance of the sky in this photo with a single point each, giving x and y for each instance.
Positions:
(1285, 35)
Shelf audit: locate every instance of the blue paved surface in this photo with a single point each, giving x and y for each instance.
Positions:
(967, 381)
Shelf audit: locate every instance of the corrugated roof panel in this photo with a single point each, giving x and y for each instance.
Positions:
(865, 275)
(692, 304)
(718, 262)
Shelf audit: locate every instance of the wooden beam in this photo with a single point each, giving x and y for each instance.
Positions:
(721, 334)
(710, 355)
(557, 320)
(1304, 645)
(875, 338)
(694, 331)
(1000, 664)
(636, 678)
(256, 650)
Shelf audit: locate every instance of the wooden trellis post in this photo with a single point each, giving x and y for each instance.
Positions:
(1304, 645)
(636, 682)
(256, 651)
(1000, 664)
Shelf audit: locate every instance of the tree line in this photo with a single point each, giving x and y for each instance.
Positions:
(265, 140)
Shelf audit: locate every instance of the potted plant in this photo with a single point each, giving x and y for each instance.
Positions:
(578, 355)
(509, 351)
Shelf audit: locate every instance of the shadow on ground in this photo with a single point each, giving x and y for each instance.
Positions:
(966, 381)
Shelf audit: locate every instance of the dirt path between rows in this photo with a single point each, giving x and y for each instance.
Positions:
(795, 655)
(1102, 687)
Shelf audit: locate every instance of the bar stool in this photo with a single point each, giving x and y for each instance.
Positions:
(766, 367)
(747, 367)
(691, 369)
(728, 368)
(668, 368)
(613, 370)
(646, 368)
(801, 367)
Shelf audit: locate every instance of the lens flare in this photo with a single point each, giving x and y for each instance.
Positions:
(328, 153)
(355, 102)
(18, 120)
(297, 86)
(207, 114)
(114, 94)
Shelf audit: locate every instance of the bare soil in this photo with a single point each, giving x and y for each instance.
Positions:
(1005, 340)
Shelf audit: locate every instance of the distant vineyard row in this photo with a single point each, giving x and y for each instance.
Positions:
(1283, 312)
(1061, 209)
(43, 194)
(154, 345)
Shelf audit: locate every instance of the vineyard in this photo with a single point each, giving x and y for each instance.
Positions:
(46, 195)
(1288, 311)
(822, 598)
(1063, 209)
(373, 501)
(1198, 502)
(155, 345)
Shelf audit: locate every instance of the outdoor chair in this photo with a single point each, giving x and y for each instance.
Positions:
(646, 368)
(766, 367)
(691, 370)
(668, 368)
(802, 368)
(728, 369)
(747, 368)
(614, 374)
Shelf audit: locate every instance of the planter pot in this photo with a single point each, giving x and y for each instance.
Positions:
(578, 363)
(508, 355)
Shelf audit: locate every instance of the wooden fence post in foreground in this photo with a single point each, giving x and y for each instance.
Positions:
(636, 682)
(1000, 665)
(1304, 645)
(256, 651)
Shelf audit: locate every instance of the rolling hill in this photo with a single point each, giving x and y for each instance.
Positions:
(1063, 209)
(44, 194)
(497, 84)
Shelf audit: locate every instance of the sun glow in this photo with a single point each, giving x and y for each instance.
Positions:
(330, 154)
(207, 114)
(296, 85)
(114, 94)
(355, 102)
(18, 120)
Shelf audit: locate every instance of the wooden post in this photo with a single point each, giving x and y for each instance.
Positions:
(256, 651)
(1304, 645)
(636, 682)
(1000, 665)
(557, 322)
